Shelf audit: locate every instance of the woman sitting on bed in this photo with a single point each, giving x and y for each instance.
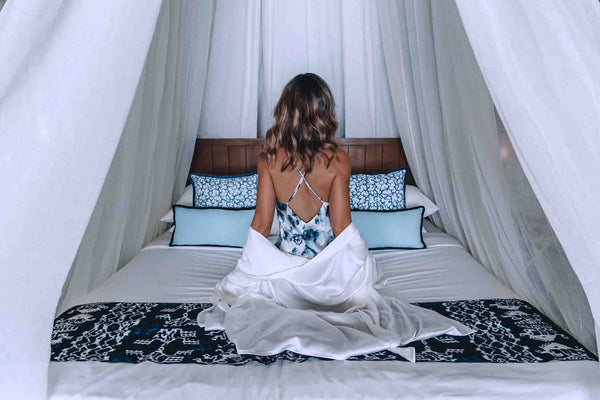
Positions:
(301, 171)
(314, 293)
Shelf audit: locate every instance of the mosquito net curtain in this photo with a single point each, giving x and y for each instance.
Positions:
(62, 112)
(65, 113)
(463, 158)
(152, 160)
(541, 63)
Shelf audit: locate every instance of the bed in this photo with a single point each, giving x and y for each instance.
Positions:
(444, 272)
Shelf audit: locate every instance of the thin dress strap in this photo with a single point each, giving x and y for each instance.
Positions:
(303, 179)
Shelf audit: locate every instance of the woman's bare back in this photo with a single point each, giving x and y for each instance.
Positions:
(304, 203)
(329, 183)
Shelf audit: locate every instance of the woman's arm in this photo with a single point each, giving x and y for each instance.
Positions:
(265, 200)
(339, 196)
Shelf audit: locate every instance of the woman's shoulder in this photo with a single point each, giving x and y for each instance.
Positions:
(335, 162)
(271, 164)
(341, 163)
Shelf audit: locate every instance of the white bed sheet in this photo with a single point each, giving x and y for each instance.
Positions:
(443, 271)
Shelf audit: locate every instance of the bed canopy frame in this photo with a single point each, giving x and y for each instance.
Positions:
(239, 156)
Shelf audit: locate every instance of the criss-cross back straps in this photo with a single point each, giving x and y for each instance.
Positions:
(303, 179)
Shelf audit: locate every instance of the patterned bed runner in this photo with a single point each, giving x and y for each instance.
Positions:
(508, 330)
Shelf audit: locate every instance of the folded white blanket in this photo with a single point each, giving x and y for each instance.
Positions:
(326, 306)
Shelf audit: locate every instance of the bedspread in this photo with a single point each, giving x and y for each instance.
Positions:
(508, 331)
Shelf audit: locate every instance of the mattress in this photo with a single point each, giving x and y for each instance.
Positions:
(444, 271)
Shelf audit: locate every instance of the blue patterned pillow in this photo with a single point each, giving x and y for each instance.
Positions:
(235, 191)
(378, 192)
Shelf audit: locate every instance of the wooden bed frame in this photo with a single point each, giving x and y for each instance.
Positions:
(239, 156)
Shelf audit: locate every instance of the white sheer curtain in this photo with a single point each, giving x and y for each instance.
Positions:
(256, 49)
(155, 151)
(448, 127)
(231, 92)
(541, 62)
(62, 112)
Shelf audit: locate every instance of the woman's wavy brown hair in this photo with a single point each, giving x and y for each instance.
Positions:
(305, 124)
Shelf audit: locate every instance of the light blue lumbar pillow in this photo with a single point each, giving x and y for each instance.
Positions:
(375, 192)
(391, 229)
(231, 191)
(210, 226)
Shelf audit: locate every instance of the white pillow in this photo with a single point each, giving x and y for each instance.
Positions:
(416, 198)
(187, 199)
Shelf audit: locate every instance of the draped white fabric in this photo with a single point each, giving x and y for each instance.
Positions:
(256, 49)
(449, 131)
(62, 112)
(327, 306)
(541, 62)
(155, 150)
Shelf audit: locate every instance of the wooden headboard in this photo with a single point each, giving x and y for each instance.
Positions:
(238, 156)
